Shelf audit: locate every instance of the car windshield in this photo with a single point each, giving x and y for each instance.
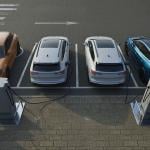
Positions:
(109, 67)
(49, 43)
(46, 67)
(2, 53)
(105, 44)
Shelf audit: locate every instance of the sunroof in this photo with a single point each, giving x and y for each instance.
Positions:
(105, 44)
(49, 43)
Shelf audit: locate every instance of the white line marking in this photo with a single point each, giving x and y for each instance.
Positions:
(79, 87)
(23, 72)
(9, 5)
(56, 23)
(135, 83)
(77, 69)
(8, 9)
(2, 18)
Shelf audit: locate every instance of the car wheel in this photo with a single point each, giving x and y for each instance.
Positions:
(142, 75)
(126, 49)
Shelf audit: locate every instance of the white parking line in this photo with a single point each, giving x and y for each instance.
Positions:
(2, 18)
(130, 72)
(8, 9)
(77, 69)
(9, 5)
(56, 23)
(23, 72)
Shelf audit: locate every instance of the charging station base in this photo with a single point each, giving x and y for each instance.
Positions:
(19, 110)
(135, 106)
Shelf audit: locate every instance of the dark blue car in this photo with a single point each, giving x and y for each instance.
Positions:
(139, 49)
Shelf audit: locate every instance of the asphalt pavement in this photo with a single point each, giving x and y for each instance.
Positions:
(32, 20)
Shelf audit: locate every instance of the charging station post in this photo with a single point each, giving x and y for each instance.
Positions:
(10, 109)
(141, 110)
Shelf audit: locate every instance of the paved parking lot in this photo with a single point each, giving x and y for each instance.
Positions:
(86, 120)
(76, 20)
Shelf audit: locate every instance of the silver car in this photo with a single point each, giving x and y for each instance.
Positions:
(104, 61)
(50, 61)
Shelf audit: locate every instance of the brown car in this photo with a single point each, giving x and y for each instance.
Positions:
(9, 47)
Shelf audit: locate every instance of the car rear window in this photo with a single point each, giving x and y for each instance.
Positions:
(49, 43)
(106, 67)
(105, 44)
(2, 52)
(46, 67)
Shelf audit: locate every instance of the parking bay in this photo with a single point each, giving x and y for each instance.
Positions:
(76, 69)
(89, 23)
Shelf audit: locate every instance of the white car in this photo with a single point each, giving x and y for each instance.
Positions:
(50, 61)
(104, 61)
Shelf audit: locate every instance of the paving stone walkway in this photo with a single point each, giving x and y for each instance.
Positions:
(76, 123)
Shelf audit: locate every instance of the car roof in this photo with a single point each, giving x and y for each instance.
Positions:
(3, 37)
(106, 49)
(48, 50)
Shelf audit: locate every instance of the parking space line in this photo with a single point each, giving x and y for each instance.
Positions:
(9, 5)
(56, 23)
(8, 9)
(23, 72)
(77, 69)
(2, 18)
(130, 72)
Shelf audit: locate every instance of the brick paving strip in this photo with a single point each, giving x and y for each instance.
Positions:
(76, 123)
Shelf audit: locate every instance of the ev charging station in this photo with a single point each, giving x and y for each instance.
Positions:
(141, 110)
(10, 109)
